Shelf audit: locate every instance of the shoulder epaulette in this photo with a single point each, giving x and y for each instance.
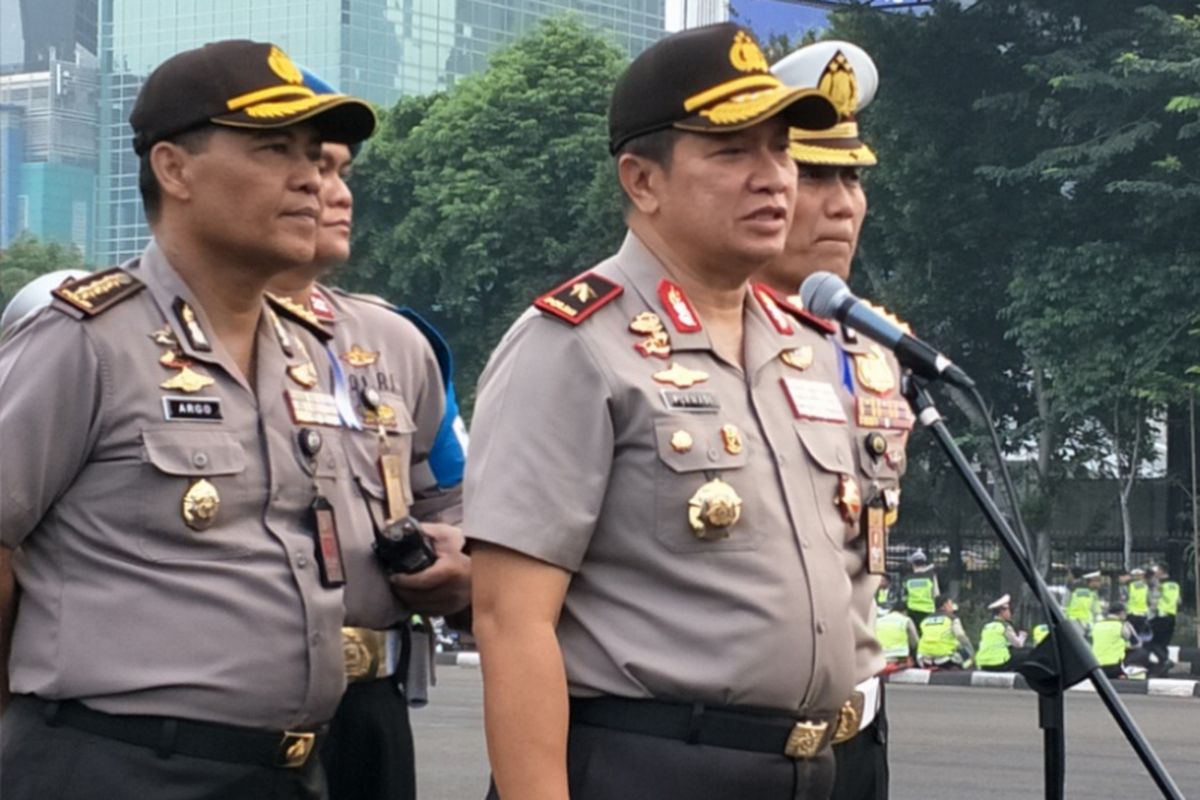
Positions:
(95, 294)
(792, 306)
(890, 317)
(287, 307)
(579, 298)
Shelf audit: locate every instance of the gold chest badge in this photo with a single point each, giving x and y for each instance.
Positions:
(657, 342)
(187, 380)
(873, 372)
(800, 358)
(849, 499)
(200, 505)
(680, 377)
(713, 510)
(731, 437)
(681, 441)
(358, 357)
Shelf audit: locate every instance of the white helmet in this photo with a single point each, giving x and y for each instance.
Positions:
(35, 296)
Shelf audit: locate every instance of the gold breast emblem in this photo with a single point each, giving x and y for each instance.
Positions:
(200, 504)
(713, 510)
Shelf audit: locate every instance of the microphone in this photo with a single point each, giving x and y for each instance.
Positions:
(827, 295)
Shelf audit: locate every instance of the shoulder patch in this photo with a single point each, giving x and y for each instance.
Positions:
(793, 306)
(579, 298)
(297, 313)
(95, 294)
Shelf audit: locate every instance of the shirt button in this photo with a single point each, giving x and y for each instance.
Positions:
(200, 460)
(821, 627)
(714, 455)
(301, 560)
(315, 638)
(804, 543)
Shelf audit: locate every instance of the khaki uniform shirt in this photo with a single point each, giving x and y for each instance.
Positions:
(380, 350)
(880, 421)
(124, 606)
(582, 458)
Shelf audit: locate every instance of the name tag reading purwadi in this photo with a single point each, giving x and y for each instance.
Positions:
(814, 400)
(696, 402)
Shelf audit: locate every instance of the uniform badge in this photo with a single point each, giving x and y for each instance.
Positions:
(93, 294)
(772, 310)
(678, 307)
(358, 357)
(891, 503)
(382, 415)
(173, 359)
(657, 342)
(187, 380)
(579, 298)
(192, 409)
(191, 326)
(164, 336)
(849, 499)
(200, 505)
(696, 402)
(731, 437)
(313, 408)
(285, 339)
(815, 400)
(304, 374)
(873, 372)
(800, 358)
(876, 445)
(321, 307)
(713, 510)
(680, 376)
(883, 412)
(681, 441)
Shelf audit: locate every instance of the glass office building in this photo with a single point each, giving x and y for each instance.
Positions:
(377, 49)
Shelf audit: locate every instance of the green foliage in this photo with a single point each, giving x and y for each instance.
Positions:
(26, 258)
(472, 203)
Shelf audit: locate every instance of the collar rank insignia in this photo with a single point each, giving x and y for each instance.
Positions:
(285, 339)
(657, 342)
(774, 313)
(358, 357)
(680, 377)
(794, 306)
(321, 307)
(191, 326)
(579, 298)
(297, 313)
(95, 294)
(678, 307)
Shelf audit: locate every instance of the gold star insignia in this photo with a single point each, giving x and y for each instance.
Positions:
(582, 292)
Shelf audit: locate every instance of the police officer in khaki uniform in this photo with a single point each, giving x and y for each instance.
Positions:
(830, 209)
(660, 486)
(166, 495)
(391, 372)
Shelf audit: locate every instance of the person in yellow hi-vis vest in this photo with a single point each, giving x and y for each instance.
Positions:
(943, 641)
(1116, 646)
(920, 588)
(897, 637)
(1137, 600)
(1162, 624)
(999, 640)
(1084, 604)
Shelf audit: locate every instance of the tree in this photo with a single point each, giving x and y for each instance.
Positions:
(26, 258)
(476, 201)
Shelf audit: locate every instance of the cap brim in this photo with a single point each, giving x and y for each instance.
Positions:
(340, 118)
(833, 153)
(808, 109)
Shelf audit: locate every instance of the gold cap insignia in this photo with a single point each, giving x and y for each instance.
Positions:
(745, 55)
(732, 438)
(800, 358)
(282, 66)
(839, 83)
(187, 380)
(680, 377)
(358, 357)
(200, 504)
(681, 441)
(713, 510)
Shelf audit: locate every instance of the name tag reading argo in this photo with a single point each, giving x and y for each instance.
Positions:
(192, 409)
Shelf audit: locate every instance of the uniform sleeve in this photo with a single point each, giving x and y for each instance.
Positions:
(541, 444)
(51, 390)
(913, 637)
(431, 501)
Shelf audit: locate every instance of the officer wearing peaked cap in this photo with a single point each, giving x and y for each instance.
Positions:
(659, 488)
(999, 641)
(176, 549)
(830, 208)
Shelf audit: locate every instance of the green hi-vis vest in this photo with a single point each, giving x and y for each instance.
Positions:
(892, 632)
(937, 637)
(1168, 601)
(1080, 607)
(920, 594)
(881, 595)
(1108, 645)
(993, 645)
(1040, 632)
(1139, 599)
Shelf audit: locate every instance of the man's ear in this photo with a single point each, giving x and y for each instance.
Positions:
(642, 181)
(171, 163)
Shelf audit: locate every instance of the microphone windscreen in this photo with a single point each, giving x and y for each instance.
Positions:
(823, 293)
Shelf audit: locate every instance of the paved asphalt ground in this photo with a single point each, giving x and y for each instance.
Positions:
(947, 743)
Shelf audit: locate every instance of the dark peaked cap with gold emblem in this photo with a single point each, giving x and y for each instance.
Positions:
(712, 79)
(240, 84)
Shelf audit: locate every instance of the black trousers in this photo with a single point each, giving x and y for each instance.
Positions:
(862, 762)
(39, 761)
(604, 764)
(1163, 630)
(369, 752)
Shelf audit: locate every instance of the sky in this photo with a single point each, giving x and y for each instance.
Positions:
(767, 17)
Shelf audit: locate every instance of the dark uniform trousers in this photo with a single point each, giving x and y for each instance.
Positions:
(47, 761)
(604, 764)
(862, 762)
(369, 753)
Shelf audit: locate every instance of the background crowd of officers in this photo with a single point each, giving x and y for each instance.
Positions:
(1130, 631)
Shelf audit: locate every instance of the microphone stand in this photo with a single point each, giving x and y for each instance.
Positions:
(1063, 659)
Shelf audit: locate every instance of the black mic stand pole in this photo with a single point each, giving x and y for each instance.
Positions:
(1063, 659)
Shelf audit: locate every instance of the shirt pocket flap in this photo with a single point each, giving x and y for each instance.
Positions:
(398, 420)
(828, 445)
(696, 445)
(188, 453)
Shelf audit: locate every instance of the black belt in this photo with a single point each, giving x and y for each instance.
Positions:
(759, 730)
(166, 735)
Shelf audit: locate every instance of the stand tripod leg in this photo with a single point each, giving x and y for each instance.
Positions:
(1050, 719)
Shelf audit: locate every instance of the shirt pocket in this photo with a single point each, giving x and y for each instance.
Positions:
(692, 452)
(174, 462)
(363, 452)
(832, 475)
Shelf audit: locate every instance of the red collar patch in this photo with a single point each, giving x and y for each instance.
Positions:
(678, 307)
(762, 293)
(321, 307)
(793, 307)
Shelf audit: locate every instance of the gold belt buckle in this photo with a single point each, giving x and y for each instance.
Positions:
(806, 739)
(295, 748)
(849, 717)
